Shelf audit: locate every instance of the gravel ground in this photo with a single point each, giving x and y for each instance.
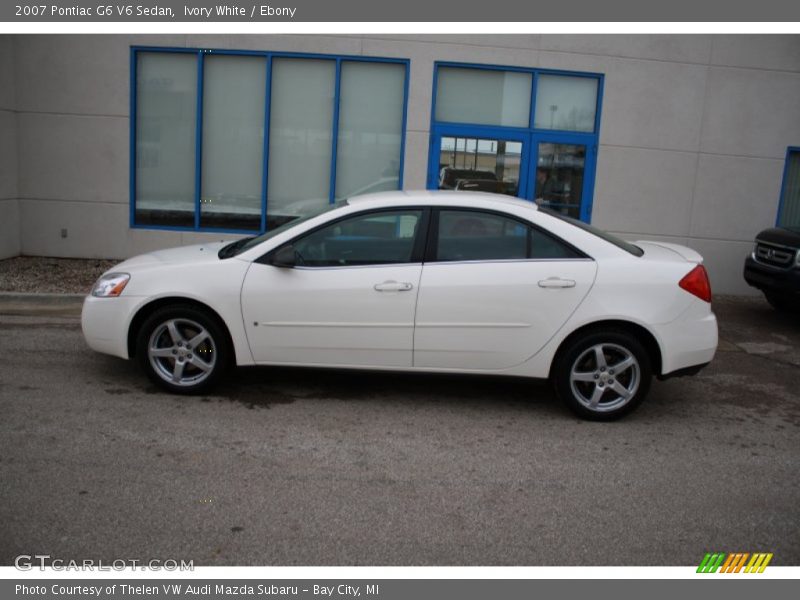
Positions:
(31, 274)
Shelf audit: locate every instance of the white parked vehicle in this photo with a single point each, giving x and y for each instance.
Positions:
(417, 281)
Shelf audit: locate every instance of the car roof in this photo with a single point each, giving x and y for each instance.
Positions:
(439, 198)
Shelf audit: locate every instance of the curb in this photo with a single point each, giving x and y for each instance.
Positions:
(61, 305)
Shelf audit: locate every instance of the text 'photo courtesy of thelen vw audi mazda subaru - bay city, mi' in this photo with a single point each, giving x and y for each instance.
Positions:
(417, 281)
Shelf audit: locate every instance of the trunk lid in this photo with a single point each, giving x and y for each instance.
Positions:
(667, 251)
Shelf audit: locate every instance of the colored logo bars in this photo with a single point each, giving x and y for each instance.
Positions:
(734, 562)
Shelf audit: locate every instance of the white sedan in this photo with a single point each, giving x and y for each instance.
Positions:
(417, 281)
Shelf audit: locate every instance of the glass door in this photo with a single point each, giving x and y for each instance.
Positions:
(560, 175)
(476, 161)
(555, 170)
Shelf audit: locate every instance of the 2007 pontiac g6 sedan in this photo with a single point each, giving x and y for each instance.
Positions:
(417, 281)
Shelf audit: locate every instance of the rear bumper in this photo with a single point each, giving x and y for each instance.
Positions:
(771, 279)
(688, 343)
(685, 372)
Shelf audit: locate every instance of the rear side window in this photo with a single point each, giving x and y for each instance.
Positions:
(468, 235)
(371, 239)
(604, 235)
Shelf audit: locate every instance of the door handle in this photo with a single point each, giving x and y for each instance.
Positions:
(556, 282)
(393, 286)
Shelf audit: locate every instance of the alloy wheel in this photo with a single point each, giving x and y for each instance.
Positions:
(605, 377)
(182, 352)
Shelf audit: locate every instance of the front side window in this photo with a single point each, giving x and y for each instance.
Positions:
(790, 195)
(467, 235)
(371, 239)
(247, 141)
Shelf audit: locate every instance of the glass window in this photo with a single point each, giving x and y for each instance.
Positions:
(565, 103)
(476, 235)
(559, 177)
(483, 96)
(370, 128)
(544, 246)
(790, 200)
(603, 235)
(234, 89)
(301, 125)
(166, 115)
(479, 165)
(371, 239)
(296, 102)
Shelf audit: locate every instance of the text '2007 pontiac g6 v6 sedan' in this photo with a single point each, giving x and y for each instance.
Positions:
(417, 281)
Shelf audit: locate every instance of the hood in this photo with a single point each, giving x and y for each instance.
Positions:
(666, 251)
(783, 236)
(198, 253)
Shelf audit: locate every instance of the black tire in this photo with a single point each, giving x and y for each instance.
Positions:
(159, 353)
(593, 390)
(783, 302)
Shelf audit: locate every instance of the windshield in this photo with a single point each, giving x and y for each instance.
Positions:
(244, 244)
(612, 239)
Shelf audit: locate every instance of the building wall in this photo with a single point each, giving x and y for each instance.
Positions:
(692, 137)
(9, 205)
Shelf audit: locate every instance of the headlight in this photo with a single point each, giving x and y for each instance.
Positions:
(110, 285)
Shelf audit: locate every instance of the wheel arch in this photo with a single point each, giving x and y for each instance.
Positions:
(641, 333)
(148, 309)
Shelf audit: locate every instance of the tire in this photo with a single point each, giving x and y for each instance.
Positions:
(171, 351)
(586, 380)
(782, 302)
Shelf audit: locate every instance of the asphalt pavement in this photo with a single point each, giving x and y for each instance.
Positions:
(312, 467)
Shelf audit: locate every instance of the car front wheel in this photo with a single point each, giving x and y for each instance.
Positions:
(603, 375)
(182, 349)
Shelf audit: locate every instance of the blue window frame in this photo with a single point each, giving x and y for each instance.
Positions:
(789, 205)
(532, 149)
(201, 56)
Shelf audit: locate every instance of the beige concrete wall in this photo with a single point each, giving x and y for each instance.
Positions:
(692, 141)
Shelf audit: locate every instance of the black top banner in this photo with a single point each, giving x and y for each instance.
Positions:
(440, 11)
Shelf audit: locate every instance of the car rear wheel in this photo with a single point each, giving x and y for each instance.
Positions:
(603, 375)
(182, 349)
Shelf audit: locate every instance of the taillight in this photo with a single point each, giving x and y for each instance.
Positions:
(696, 282)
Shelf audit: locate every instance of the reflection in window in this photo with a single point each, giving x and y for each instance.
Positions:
(166, 99)
(373, 239)
(480, 165)
(565, 103)
(559, 177)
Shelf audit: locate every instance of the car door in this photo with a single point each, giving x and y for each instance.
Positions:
(350, 299)
(493, 291)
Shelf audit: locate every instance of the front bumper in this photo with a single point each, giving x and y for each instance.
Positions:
(105, 323)
(771, 279)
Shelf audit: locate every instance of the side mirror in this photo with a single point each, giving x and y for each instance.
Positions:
(285, 257)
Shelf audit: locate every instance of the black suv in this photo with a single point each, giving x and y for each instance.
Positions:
(774, 267)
